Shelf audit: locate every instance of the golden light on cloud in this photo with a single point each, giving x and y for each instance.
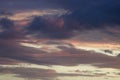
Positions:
(97, 47)
(43, 47)
(31, 45)
(25, 15)
(109, 49)
(85, 71)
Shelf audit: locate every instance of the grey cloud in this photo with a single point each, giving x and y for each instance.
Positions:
(98, 35)
(85, 15)
(94, 12)
(54, 28)
(30, 73)
(4, 60)
(5, 13)
(47, 74)
(8, 30)
(67, 57)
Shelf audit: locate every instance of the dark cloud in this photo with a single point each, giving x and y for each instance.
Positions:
(88, 12)
(6, 24)
(49, 28)
(6, 27)
(5, 13)
(98, 35)
(93, 12)
(8, 61)
(43, 74)
(11, 50)
(60, 28)
(30, 73)
(8, 31)
(108, 51)
(66, 57)
(85, 15)
(119, 55)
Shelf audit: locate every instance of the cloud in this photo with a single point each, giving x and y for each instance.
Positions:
(119, 55)
(6, 23)
(8, 61)
(5, 13)
(95, 21)
(98, 36)
(60, 28)
(30, 73)
(6, 27)
(94, 12)
(50, 28)
(59, 72)
(83, 15)
(67, 57)
(8, 30)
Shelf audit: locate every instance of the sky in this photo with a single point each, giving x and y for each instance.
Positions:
(59, 39)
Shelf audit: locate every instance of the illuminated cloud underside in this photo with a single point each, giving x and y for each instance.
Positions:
(97, 47)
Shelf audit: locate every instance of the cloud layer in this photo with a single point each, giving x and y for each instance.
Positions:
(66, 56)
(64, 33)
